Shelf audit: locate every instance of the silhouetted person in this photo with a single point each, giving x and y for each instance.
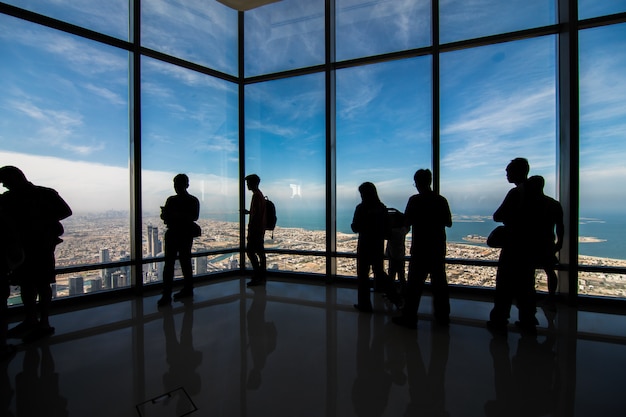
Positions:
(370, 219)
(11, 256)
(547, 218)
(183, 359)
(396, 249)
(255, 249)
(428, 214)
(515, 278)
(179, 214)
(35, 212)
(261, 337)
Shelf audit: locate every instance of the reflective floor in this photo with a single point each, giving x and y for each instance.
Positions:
(295, 349)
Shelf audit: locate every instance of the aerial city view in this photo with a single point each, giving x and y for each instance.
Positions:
(90, 240)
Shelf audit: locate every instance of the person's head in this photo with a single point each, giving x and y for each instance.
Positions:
(181, 183)
(12, 177)
(253, 181)
(535, 185)
(517, 170)
(368, 193)
(423, 179)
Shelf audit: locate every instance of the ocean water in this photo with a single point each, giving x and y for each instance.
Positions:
(608, 231)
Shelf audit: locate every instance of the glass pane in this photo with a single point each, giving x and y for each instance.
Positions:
(383, 136)
(203, 32)
(462, 19)
(366, 28)
(497, 103)
(65, 124)
(189, 125)
(602, 152)
(594, 8)
(109, 17)
(284, 35)
(285, 147)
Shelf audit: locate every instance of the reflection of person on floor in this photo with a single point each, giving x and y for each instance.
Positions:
(37, 386)
(427, 385)
(370, 391)
(182, 358)
(261, 336)
(526, 385)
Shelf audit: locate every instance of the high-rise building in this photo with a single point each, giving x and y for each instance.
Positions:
(104, 258)
(200, 265)
(76, 285)
(154, 244)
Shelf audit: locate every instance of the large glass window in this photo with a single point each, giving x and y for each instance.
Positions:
(203, 32)
(602, 154)
(64, 118)
(462, 19)
(367, 28)
(593, 8)
(189, 125)
(285, 146)
(284, 35)
(109, 17)
(497, 103)
(384, 125)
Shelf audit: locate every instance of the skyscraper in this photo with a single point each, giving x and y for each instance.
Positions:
(76, 285)
(154, 245)
(104, 258)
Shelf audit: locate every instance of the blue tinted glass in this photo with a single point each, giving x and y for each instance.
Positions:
(285, 146)
(498, 102)
(203, 32)
(109, 17)
(284, 35)
(602, 151)
(64, 122)
(367, 27)
(189, 125)
(462, 19)
(595, 8)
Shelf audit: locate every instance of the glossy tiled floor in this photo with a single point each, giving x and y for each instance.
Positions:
(295, 349)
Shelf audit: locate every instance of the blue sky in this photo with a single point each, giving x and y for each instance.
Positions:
(64, 108)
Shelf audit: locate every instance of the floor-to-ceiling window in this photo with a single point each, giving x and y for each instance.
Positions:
(497, 104)
(602, 221)
(462, 98)
(64, 123)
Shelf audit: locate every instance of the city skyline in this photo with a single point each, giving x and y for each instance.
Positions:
(65, 109)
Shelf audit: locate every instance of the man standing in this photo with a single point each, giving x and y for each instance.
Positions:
(256, 232)
(179, 214)
(428, 214)
(515, 278)
(546, 218)
(35, 212)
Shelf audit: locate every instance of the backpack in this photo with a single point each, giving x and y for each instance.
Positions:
(393, 220)
(270, 216)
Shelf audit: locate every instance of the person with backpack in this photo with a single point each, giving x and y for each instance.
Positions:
(255, 248)
(36, 213)
(370, 222)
